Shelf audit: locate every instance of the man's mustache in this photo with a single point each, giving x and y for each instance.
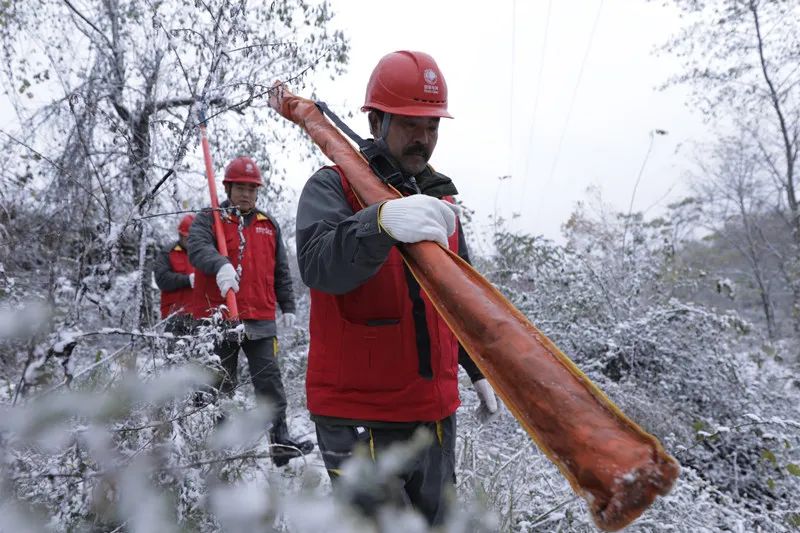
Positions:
(417, 149)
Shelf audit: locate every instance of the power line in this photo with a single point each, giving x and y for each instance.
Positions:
(574, 94)
(535, 104)
(653, 134)
(510, 110)
(511, 89)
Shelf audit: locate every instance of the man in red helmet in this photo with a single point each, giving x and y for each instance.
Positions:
(382, 362)
(175, 277)
(257, 269)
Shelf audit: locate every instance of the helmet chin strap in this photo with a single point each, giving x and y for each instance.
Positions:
(380, 139)
(387, 117)
(410, 182)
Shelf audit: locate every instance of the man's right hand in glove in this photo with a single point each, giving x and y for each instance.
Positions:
(418, 218)
(227, 278)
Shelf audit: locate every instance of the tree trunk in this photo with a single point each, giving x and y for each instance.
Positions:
(768, 308)
(790, 154)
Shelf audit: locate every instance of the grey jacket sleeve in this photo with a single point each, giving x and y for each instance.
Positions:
(203, 252)
(337, 250)
(166, 279)
(284, 292)
(463, 251)
(464, 359)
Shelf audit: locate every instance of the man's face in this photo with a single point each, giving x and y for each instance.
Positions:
(183, 240)
(243, 196)
(411, 140)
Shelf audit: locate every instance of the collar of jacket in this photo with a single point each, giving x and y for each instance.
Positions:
(429, 181)
(260, 215)
(435, 184)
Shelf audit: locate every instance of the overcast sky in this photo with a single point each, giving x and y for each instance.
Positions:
(560, 95)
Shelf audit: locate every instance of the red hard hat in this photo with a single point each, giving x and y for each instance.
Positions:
(407, 83)
(242, 170)
(185, 224)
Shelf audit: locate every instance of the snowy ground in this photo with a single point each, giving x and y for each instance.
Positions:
(123, 455)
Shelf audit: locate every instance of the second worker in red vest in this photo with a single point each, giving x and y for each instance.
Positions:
(175, 277)
(254, 243)
(382, 362)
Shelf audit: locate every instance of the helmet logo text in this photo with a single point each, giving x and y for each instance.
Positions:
(430, 75)
(430, 79)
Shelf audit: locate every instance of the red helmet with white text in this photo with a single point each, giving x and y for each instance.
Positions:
(407, 83)
(242, 170)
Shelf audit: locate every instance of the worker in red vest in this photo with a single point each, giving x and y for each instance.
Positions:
(382, 362)
(175, 277)
(257, 269)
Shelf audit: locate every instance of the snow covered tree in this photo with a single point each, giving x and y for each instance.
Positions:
(740, 59)
(636, 319)
(105, 92)
(737, 205)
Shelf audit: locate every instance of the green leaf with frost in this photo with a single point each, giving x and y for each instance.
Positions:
(769, 456)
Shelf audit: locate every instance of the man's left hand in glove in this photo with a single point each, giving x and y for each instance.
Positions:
(488, 407)
(288, 320)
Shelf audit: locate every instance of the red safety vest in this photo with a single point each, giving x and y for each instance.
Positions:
(180, 300)
(374, 356)
(256, 297)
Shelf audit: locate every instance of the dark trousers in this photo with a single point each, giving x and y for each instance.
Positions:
(427, 483)
(264, 371)
(180, 325)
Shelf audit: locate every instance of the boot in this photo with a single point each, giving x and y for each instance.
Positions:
(284, 447)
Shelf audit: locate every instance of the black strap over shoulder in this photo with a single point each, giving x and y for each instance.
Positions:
(421, 333)
(375, 152)
(362, 143)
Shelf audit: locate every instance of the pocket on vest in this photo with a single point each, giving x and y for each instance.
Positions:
(373, 357)
(382, 298)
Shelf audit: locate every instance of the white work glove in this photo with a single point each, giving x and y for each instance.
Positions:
(191, 280)
(418, 218)
(227, 278)
(288, 320)
(488, 407)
